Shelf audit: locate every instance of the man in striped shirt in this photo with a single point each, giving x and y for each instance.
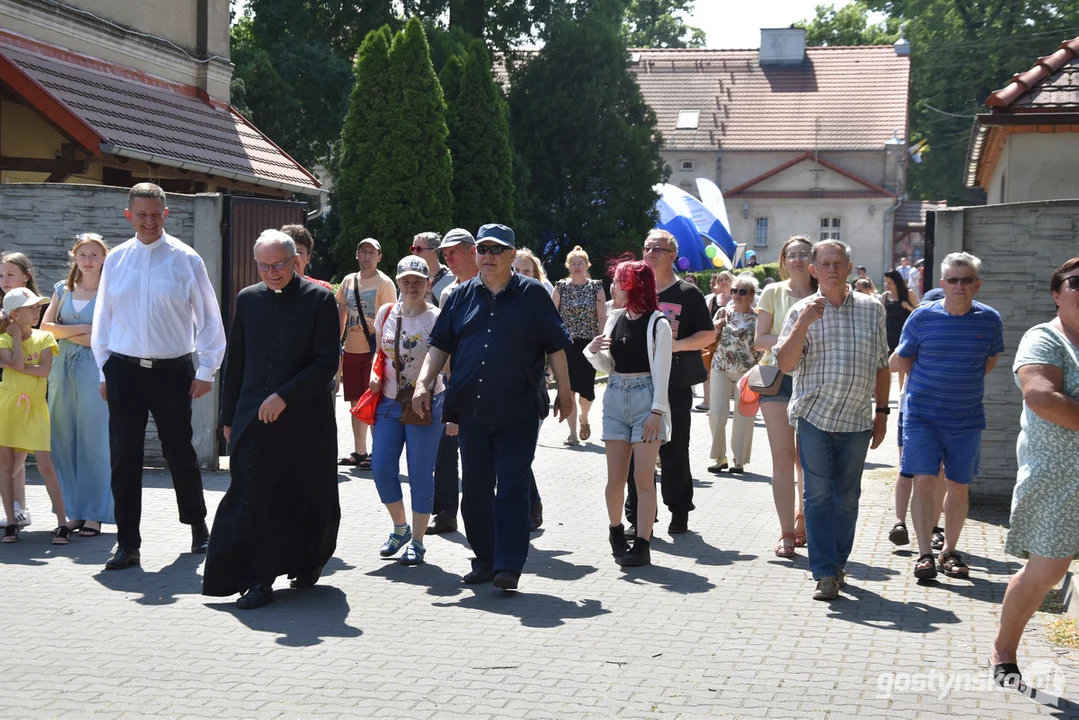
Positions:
(835, 344)
(947, 348)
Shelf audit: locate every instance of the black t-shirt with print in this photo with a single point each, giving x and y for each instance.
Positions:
(687, 312)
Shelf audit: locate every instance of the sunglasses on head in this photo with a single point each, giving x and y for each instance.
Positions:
(960, 281)
(493, 249)
(742, 291)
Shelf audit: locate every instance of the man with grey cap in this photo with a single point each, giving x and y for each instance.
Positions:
(459, 251)
(497, 328)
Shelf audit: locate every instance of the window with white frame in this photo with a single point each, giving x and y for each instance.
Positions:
(688, 120)
(829, 228)
(687, 165)
(760, 232)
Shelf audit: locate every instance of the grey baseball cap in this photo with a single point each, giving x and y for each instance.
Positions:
(456, 237)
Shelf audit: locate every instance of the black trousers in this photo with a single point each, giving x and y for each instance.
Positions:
(676, 482)
(447, 478)
(134, 392)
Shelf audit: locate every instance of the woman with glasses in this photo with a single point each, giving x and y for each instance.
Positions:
(1044, 526)
(581, 302)
(735, 355)
(776, 300)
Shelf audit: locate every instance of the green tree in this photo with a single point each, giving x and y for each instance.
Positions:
(660, 24)
(849, 25)
(360, 201)
(587, 140)
(414, 164)
(479, 141)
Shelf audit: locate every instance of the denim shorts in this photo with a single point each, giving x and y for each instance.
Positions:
(786, 389)
(926, 446)
(627, 403)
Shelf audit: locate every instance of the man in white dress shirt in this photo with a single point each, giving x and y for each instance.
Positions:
(155, 306)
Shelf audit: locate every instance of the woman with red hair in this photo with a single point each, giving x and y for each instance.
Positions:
(635, 351)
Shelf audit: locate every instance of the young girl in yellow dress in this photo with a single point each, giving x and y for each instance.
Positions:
(26, 356)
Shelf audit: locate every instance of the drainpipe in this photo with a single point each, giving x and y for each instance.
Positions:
(889, 211)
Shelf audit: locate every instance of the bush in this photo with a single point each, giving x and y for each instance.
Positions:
(704, 277)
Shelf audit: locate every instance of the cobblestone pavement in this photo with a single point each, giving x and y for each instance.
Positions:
(717, 627)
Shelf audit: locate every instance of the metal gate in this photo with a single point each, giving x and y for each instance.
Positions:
(245, 219)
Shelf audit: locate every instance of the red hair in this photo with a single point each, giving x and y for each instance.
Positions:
(638, 281)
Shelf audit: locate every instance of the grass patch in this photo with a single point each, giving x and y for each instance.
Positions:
(1063, 632)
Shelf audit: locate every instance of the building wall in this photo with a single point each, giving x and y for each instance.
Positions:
(1019, 244)
(1036, 166)
(24, 134)
(109, 38)
(41, 219)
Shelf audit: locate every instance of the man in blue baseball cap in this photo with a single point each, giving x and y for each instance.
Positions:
(497, 328)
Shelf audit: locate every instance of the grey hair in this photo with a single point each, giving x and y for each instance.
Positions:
(269, 238)
(961, 259)
(829, 243)
(746, 280)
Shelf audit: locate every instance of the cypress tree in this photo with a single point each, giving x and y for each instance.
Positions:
(358, 201)
(483, 188)
(415, 169)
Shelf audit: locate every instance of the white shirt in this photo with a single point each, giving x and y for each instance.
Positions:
(156, 302)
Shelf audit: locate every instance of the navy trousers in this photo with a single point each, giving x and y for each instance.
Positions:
(496, 461)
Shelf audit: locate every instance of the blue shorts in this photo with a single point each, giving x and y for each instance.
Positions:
(786, 389)
(627, 403)
(926, 446)
(899, 435)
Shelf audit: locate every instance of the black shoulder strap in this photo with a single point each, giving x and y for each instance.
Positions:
(359, 308)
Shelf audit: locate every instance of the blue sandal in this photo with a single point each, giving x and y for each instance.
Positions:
(394, 543)
(413, 554)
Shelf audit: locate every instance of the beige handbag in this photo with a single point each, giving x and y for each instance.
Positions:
(765, 379)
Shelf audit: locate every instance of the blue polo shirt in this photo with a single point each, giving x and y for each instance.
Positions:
(947, 380)
(497, 346)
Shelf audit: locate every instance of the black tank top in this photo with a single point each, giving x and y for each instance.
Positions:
(629, 345)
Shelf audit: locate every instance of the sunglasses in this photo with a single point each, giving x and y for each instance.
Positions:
(960, 281)
(800, 255)
(493, 249)
(742, 291)
(1072, 282)
(416, 249)
(263, 267)
(655, 249)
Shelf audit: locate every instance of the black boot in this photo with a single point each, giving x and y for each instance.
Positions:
(638, 554)
(617, 536)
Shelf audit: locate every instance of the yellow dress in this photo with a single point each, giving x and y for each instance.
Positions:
(24, 413)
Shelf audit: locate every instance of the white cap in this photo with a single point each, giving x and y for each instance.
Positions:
(22, 297)
(370, 241)
(413, 265)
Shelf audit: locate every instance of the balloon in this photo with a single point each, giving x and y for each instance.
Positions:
(717, 261)
(683, 263)
(710, 250)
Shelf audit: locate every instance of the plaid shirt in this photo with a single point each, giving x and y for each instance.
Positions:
(837, 375)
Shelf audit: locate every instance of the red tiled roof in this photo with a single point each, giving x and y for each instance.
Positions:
(1055, 93)
(912, 212)
(871, 188)
(111, 110)
(840, 98)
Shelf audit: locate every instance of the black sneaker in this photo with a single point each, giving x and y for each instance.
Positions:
(631, 531)
(638, 555)
(617, 536)
(506, 580)
(679, 523)
(478, 576)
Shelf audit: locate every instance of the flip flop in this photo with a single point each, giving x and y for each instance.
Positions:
(86, 532)
(586, 431)
(60, 535)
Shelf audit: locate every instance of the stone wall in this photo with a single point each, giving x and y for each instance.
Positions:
(1020, 244)
(41, 220)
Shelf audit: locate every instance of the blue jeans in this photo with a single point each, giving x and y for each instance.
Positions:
(832, 464)
(496, 480)
(420, 443)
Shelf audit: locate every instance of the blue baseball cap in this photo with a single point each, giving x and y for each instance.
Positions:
(498, 234)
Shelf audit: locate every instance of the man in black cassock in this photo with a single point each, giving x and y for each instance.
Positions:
(281, 513)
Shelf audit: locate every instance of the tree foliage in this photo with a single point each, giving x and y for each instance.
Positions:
(587, 140)
(483, 189)
(849, 25)
(660, 24)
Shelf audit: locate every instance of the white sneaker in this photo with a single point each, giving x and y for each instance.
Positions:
(22, 517)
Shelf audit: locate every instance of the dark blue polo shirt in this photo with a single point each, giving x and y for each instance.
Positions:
(497, 345)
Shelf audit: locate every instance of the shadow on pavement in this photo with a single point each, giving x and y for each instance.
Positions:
(681, 582)
(335, 565)
(1055, 705)
(438, 582)
(991, 513)
(532, 609)
(873, 610)
(163, 587)
(546, 563)
(301, 617)
(972, 588)
(35, 548)
(692, 545)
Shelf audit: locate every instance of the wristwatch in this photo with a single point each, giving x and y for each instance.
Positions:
(884, 410)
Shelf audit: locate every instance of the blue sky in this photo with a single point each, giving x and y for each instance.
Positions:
(738, 23)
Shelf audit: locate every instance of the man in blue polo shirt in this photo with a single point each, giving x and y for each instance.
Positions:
(947, 348)
(497, 327)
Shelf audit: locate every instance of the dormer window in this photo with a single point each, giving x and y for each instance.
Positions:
(688, 119)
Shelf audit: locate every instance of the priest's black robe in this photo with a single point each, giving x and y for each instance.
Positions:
(281, 513)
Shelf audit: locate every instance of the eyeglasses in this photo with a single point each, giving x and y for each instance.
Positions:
(798, 255)
(743, 291)
(417, 249)
(960, 281)
(1072, 282)
(493, 249)
(263, 267)
(655, 249)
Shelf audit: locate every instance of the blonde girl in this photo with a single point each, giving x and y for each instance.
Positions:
(27, 356)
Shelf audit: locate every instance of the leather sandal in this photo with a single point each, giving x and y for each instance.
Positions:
(60, 535)
(782, 549)
(800, 537)
(952, 565)
(925, 567)
(11, 534)
(586, 431)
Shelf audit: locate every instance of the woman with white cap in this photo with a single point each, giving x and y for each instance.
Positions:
(403, 332)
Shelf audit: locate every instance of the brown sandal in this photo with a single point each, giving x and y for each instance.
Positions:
(783, 550)
(586, 431)
(952, 565)
(800, 537)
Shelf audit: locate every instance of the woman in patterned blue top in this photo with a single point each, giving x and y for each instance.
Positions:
(1045, 504)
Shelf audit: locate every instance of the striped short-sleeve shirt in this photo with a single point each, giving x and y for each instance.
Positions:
(947, 379)
(835, 380)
